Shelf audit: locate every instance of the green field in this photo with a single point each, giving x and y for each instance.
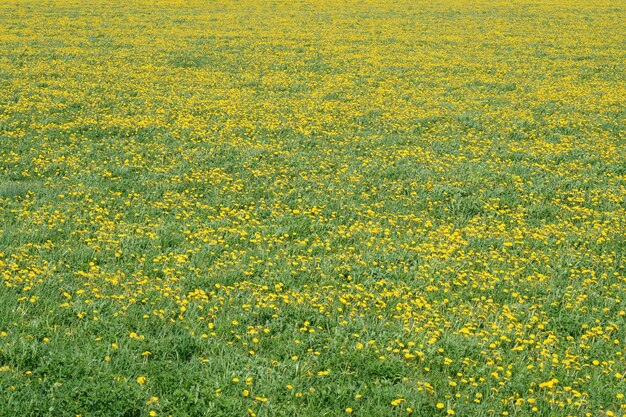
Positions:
(312, 208)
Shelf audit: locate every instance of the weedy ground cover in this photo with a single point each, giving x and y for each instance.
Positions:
(311, 208)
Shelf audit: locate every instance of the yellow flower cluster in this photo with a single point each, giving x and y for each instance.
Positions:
(313, 208)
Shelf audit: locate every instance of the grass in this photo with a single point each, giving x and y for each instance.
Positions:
(311, 208)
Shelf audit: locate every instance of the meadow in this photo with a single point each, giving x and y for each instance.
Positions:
(312, 208)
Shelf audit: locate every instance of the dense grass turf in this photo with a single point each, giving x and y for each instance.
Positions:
(305, 208)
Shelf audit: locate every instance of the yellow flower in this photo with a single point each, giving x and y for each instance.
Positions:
(549, 384)
(141, 380)
(397, 402)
